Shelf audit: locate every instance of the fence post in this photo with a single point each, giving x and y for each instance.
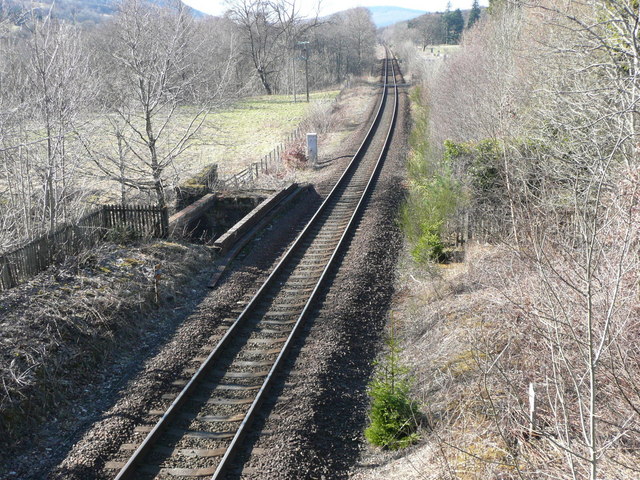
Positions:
(533, 409)
(312, 149)
(6, 280)
(467, 226)
(165, 222)
(103, 217)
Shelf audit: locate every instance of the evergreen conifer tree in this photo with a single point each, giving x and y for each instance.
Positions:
(474, 15)
(454, 22)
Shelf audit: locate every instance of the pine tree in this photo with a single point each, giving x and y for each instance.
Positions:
(474, 15)
(446, 22)
(454, 22)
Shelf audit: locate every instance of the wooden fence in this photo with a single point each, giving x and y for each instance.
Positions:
(36, 256)
(246, 177)
(479, 224)
(143, 220)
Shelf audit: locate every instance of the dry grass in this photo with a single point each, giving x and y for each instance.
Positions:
(473, 344)
(236, 137)
(58, 327)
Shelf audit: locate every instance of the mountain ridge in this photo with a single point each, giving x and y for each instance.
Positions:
(95, 11)
(383, 16)
(80, 11)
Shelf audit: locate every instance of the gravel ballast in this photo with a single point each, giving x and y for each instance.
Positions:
(315, 427)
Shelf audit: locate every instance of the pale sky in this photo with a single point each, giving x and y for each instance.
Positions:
(216, 7)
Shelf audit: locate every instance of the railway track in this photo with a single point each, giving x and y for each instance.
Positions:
(204, 424)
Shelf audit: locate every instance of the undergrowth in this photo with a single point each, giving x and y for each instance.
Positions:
(58, 328)
(433, 196)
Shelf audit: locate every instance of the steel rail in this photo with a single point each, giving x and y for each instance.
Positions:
(267, 383)
(173, 410)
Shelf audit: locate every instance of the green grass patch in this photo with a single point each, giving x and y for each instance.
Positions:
(246, 131)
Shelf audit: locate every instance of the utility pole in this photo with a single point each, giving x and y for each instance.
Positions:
(306, 65)
(295, 94)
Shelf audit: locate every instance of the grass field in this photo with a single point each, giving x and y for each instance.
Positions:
(243, 133)
(233, 138)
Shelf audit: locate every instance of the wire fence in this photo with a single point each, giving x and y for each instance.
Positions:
(247, 176)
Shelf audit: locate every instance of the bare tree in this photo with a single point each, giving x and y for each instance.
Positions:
(152, 75)
(338, 50)
(269, 32)
(59, 77)
(46, 84)
(262, 37)
(362, 34)
(431, 28)
(589, 268)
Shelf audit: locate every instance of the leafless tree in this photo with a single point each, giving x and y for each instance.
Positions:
(262, 37)
(269, 32)
(587, 103)
(431, 30)
(46, 86)
(157, 89)
(362, 34)
(340, 52)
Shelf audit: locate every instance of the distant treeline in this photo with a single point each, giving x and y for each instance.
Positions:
(88, 110)
(443, 27)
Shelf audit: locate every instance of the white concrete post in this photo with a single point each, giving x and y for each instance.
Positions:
(533, 409)
(312, 148)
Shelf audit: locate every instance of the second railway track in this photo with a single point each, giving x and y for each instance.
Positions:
(203, 425)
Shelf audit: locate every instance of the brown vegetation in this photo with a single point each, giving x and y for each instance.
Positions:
(58, 328)
(528, 362)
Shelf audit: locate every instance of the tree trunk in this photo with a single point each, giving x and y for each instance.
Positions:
(265, 82)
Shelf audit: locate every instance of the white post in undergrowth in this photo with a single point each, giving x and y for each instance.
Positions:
(312, 149)
(533, 409)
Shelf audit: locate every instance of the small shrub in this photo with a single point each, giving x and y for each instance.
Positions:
(429, 246)
(294, 156)
(393, 414)
(434, 195)
(424, 215)
(320, 117)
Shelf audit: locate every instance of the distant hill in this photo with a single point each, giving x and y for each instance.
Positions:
(81, 11)
(95, 11)
(385, 16)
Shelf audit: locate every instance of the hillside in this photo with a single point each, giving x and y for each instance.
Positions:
(80, 11)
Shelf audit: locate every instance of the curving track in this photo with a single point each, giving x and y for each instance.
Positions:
(199, 432)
